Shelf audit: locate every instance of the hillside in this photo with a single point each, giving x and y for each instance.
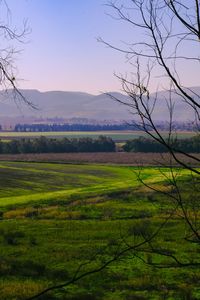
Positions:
(83, 105)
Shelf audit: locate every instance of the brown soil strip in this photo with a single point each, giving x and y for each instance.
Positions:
(122, 158)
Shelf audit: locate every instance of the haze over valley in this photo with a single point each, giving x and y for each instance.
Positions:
(80, 105)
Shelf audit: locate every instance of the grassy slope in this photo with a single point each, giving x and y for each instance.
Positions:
(30, 182)
(25, 182)
(47, 230)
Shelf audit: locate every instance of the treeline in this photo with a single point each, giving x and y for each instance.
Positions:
(46, 145)
(189, 145)
(71, 127)
(101, 144)
(95, 127)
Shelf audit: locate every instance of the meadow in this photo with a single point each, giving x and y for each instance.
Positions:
(55, 217)
(119, 136)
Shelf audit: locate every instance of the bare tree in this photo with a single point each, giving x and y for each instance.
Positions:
(168, 33)
(10, 38)
(168, 26)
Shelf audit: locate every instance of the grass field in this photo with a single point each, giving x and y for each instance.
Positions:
(56, 216)
(119, 136)
(57, 181)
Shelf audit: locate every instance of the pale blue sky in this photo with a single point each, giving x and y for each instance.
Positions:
(62, 52)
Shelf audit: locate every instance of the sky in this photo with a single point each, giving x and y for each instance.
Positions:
(61, 52)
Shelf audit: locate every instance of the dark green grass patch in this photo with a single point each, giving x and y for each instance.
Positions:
(48, 252)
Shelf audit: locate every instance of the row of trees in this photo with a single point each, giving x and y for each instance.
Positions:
(94, 127)
(101, 144)
(45, 145)
(142, 144)
(70, 127)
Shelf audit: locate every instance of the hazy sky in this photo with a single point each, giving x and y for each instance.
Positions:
(62, 52)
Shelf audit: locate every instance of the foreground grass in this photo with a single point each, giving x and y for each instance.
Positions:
(55, 217)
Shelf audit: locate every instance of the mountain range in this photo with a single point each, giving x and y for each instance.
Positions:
(68, 105)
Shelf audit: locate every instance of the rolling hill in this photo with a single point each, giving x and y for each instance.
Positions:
(67, 105)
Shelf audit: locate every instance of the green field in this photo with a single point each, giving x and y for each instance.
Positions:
(115, 135)
(56, 216)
